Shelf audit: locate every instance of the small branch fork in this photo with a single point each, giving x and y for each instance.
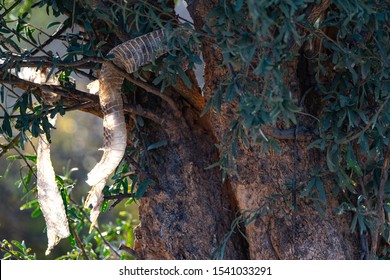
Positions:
(80, 96)
(149, 89)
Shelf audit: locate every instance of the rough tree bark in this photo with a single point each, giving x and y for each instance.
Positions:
(304, 234)
(189, 213)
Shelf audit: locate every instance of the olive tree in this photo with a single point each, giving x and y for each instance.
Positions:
(283, 153)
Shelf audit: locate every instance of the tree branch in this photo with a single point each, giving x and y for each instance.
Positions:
(118, 198)
(352, 137)
(129, 250)
(79, 242)
(7, 11)
(301, 134)
(139, 110)
(70, 96)
(149, 89)
(88, 63)
(379, 203)
(10, 145)
(25, 39)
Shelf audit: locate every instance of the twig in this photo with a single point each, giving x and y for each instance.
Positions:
(24, 159)
(129, 250)
(350, 138)
(54, 36)
(100, 233)
(118, 198)
(79, 242)
(137, 166)
(9, 9)
(149, 89)
(26, 40)
(73, 13)
(9, 252)
(62, 91)
(139, 110)
(32, 145)
(10, 145)
(379, 202)
(295, 155)
(301, 133)
(88, 63)
(66, 109)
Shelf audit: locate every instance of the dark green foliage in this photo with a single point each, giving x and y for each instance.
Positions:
(257, 40)
(352, 83)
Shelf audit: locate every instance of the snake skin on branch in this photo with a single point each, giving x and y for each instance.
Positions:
(130, 56)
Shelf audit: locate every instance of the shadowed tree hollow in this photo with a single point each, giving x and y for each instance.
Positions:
(282, 154)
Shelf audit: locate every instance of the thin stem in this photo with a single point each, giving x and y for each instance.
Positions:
(55, 35)
(25, 160)
(88, 63)
(7, 11)
(149, 89)
(139, 110)
(379, 201)
(101, 235)
(26, 40)
(9, 252)
(10, 145)
(350, 137)
(119, 196)
(79, 242)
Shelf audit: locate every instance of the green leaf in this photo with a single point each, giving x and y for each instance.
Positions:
(104, 206)
(387, 207)
(331, 159)
(36, 213)
(306, 191)
(157, 145)
(29, 205)
(1, 94)
(140, 121)
(238, 6)
(6, 126)
(54, 23)
(21, 246)
(362, 223)
(320, 189)
(354, 222)
(143, 186)
(184, 77)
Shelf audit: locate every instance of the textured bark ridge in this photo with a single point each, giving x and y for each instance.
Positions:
(130, 56)
(285, 234)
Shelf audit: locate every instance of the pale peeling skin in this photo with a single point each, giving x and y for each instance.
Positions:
(129, 56)
(49, 197)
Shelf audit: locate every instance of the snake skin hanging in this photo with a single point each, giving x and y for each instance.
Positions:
(130, 56)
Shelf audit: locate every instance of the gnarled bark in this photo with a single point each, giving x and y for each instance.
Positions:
(286, 234)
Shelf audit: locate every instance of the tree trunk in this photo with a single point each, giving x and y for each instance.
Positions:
(190, 213)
